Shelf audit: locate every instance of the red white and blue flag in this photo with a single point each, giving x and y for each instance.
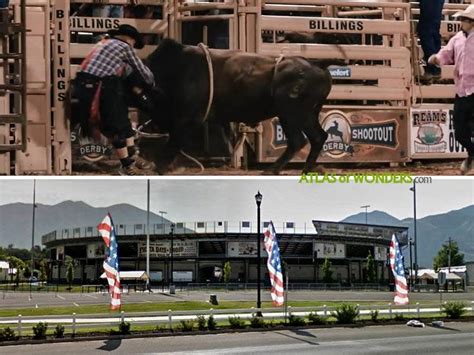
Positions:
(274, 265)
(111, 264)
(398, 270)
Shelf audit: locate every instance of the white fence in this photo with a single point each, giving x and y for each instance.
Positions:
(168, 319)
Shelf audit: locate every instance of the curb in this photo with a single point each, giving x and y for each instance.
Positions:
(218, 331)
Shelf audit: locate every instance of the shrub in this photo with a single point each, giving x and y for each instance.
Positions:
(399, 317)
(201, 320)
(124, 328)
(295, 321)
(374, 315)
(7, 334)
(39, 330)
(186, 325)
(257, 322)
(454, 310)
(346, 314)
(162, 328)
(211, 323)
(59, 331)
(315, 319)
(236, 323)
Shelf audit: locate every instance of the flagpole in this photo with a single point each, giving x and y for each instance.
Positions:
(148, 233)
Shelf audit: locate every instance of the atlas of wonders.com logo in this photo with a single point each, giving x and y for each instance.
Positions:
(343, 134)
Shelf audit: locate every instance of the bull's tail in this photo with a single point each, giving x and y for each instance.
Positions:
(325, 63)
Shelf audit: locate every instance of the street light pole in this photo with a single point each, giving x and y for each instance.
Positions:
(33, 235)
(172, 252)
(413, 189)
(366, 207)
(449, 255)
(148, 231)
(410, 244)
(258, 200)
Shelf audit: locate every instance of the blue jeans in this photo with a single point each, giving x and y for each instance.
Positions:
(113, 11)
(428, 30)
(4, 3)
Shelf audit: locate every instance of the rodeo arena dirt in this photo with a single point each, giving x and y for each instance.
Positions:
(244, 83)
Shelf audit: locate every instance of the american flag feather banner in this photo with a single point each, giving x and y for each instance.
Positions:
(274, 265)
(398, 270)
(111, 264)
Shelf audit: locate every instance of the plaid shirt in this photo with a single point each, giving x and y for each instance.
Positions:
(110, 57)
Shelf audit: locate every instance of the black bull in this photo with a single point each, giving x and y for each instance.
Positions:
(248, 88)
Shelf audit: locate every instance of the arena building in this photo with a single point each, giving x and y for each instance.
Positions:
(200, 250)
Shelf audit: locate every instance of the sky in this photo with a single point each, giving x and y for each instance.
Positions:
(214, 199)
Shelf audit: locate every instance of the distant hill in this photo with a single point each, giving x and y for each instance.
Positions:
(432, 231)
(16, 219)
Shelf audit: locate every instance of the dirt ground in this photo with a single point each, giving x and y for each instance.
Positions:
(419, 168)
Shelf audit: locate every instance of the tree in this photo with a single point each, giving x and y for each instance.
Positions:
(26, 271)
(69, 270)
(370, 268)
(18, 264)
(327, 272)
(227, 271)
(42, 272)
(442, 259)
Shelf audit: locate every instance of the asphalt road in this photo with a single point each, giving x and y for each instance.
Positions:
(456, 338)
(38, 299)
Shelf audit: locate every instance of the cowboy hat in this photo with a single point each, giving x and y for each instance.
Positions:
(130, 31)
(468, 13)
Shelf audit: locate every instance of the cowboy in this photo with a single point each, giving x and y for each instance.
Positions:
(460, 52)
(429, 24)
(101, 93)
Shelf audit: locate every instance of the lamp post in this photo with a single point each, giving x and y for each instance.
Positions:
(410, 244)
(148, 232)
(172, 257)
(413, 189)
(33, 235)
(366, 207)
(258, 200)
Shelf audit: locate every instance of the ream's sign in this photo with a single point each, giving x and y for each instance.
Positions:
(432, 131)
(340, 72)
(335, 25)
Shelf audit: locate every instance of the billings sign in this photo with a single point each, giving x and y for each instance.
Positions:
(358, 136)
(432, 133)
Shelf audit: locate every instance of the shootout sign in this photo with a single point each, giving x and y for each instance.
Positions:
(357, 136)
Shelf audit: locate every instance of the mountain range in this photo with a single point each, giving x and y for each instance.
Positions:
(432, 231)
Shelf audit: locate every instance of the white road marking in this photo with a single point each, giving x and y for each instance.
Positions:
(61, 297)
(75, 304)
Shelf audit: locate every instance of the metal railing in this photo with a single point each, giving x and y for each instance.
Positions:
(180, 228)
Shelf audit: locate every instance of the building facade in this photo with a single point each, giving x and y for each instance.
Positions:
(200, 250)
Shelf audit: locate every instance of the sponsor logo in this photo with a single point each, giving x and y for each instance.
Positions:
(93, 23)
(335, 25)
(340, 72)
(343, 135)
(89, 150)
(434, 131)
